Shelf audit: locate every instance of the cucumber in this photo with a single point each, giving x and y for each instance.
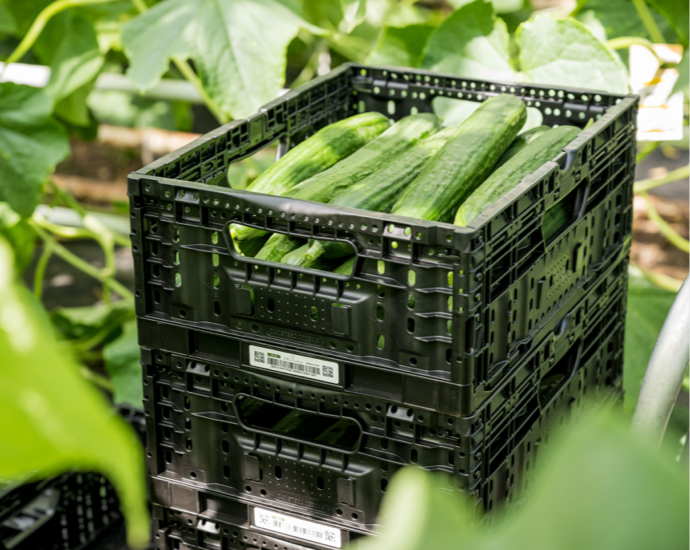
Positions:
(249, 247)
(464, 161)
(520, 142)
(556, 217)
(300, 258)
(379, 191)
(277, 246)
(531, 157)
(346, 267)
(373, 157)
(314, 155)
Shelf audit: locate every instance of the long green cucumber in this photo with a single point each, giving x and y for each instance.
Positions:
(379, 191)
(373, 157)
(556, 217)
(321, 151)
(464, 161)
(526, 161)
(277, 246)
(250, 247)
(300, 258)
(520, 142)
(346, 267)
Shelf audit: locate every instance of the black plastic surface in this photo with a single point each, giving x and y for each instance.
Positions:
(428, 299)
(195, 438)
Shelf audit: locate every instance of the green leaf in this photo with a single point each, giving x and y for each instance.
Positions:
(597, 489)
(677, 13)
(400, 46)
(54, 421)
(31, 144)
(683, 82)
(121, 109)
(84, 323)
(471, 43)
(70, 46)
(19, 235)
(7, 23)
(648, 306)
(123, 365)
(238, 47)
(618, 18)
(566, 53)
(353, 14)
(73, 108)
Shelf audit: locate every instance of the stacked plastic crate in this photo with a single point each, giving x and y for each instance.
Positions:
(280, 401)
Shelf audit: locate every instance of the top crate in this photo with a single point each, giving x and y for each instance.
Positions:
(453, 303)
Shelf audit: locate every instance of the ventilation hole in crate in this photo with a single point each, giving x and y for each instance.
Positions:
(449, 355)
(167, 433)
(226, 446)
(154, 226)
(411, 277)
(154, 248)
(178, 280)
(189, 444)
(449, 327)
(413, 361)
(380, 312)
(278, 472)
(413, 456)
(156, 269)
(215, 260)
(187, 403)
(248, 488)
(390, 106)
(314, 312)
(350, 348)
(214, 237)
(380, 291)
(380, 341)
(216, 280)
(270, 305)
(183, 313)
(168, 457)
(449, 303)
(166, 413)
(384, 443)
(410, 325)
(320, 484)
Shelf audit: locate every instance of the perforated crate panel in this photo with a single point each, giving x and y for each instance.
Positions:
(449, 303)
(261, 437)
(191, 520)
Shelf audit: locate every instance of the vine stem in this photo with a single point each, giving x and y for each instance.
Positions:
(186, 69)
(664, 228)
(642, 186)
(39, 24)
(41, 265)
(648, 21)
(97, 379)
(104, 276)
(623, 42)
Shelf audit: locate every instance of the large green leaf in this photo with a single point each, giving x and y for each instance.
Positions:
(53, 421)
(566, 53)
(648, 306)
(353, 13)
(619, 18)
(473, 43)
(677, 13)
(401, 46)
(7, 23)
(500, 6)
(69, 45)
(238, 47)
(597, 489)
(31, 144)
(123, 365)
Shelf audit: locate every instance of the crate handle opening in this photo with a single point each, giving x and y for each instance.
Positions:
(558, 375)
(563, 214)
(321, 430)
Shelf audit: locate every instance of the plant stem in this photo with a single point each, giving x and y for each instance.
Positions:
(100, 275)
(39, 274)
(623, 42)
(674, 175)
(39, 24)
(648, 21)
(659, 279)
(97, 379)
(186, 69)
(664, 228)
(652, 145)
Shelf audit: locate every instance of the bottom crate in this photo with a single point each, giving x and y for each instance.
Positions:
(229, 524)
(67, 512)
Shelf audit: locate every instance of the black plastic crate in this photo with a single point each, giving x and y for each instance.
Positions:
(215, 424)
(185, 518)
(442, 302)
(67, 512)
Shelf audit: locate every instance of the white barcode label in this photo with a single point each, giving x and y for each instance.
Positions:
(298, 528)
(298, 365)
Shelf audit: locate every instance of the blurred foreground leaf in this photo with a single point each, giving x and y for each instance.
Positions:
(31, 144)
(122, 363)
(54, 421)
(597, 489)
(18, 233)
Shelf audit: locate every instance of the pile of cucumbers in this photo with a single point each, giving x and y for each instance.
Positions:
(411, 168)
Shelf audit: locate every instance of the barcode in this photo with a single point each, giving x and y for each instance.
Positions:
(297, 529)
(299, 367)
